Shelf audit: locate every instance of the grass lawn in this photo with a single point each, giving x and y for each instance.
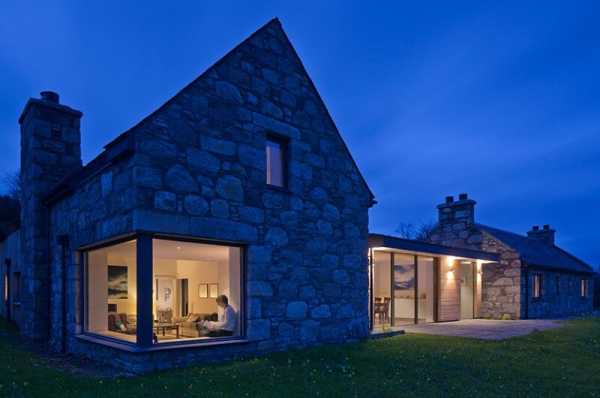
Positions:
(563, 361)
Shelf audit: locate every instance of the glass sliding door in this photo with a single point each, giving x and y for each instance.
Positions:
(382, 288)
(426, 289)
(404, 286)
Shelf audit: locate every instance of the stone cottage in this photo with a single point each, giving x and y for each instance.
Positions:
(240, 186)
(533, 278)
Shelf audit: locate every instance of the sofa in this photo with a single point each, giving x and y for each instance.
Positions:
(189, 325)
(119, 322)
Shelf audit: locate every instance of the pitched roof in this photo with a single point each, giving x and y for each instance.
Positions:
(534, 252)
(101, 161)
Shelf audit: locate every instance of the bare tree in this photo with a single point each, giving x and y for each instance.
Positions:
(12, 184)
(406, 230)
(426, 230)
(422, 231)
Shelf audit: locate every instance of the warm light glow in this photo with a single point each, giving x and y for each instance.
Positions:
(450, 275)
(450, 261)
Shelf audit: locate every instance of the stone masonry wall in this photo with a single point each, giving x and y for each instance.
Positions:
(101, 208)
(560, 297)
(201, 171)
(501, 282)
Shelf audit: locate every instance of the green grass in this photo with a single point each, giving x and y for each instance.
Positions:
(563, 361)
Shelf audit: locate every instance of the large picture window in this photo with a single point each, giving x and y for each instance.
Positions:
(196, 291)
(404, 289)
(111, 291)
(154, 291)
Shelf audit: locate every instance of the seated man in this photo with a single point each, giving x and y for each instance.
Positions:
(225, 326)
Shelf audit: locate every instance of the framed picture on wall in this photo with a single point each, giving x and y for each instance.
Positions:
(165, 289)
(213, 290)
(117, 282)
(203, 290)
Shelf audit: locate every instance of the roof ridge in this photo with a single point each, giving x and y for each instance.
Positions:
(574, 257)
(529, 240)
(502, 230)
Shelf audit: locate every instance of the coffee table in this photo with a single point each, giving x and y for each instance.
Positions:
(167, 326)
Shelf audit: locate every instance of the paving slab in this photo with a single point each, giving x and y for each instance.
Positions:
(485, 329)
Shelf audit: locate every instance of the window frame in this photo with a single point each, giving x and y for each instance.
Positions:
(584, 288)
(537, 286)
(283, 142)
(147, 288)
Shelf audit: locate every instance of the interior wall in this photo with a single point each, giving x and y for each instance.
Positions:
(127, 306)
(97, 298)
(381, 274)
(97, 291)
(200, 272)
(426, 288)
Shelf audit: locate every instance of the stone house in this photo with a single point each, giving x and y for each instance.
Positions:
(239, 186)
(533, 279)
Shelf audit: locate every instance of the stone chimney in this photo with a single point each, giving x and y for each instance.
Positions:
(50, 150)
(459, 211)
(546, 234)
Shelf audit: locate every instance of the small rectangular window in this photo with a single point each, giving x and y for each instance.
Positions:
(537, 286)
(584, 291)
(275, 152)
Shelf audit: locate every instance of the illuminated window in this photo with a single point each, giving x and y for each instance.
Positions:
(196, 291)
(275, 152)
(112, 291)
(585, 286)
(537, 286)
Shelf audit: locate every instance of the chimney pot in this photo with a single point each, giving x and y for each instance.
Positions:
(50, 96)
(463, 196)
(536, 228)
(546, 227)
(449, 199)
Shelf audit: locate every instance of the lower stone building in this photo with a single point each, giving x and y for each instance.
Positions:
(534, 277)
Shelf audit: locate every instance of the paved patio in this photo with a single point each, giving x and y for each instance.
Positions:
(485, 329)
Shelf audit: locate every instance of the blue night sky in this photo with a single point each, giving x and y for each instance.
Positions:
(433, 99)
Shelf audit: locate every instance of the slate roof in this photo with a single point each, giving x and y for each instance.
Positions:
(536, 253)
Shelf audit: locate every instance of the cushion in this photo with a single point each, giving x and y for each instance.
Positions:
(193, 318)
